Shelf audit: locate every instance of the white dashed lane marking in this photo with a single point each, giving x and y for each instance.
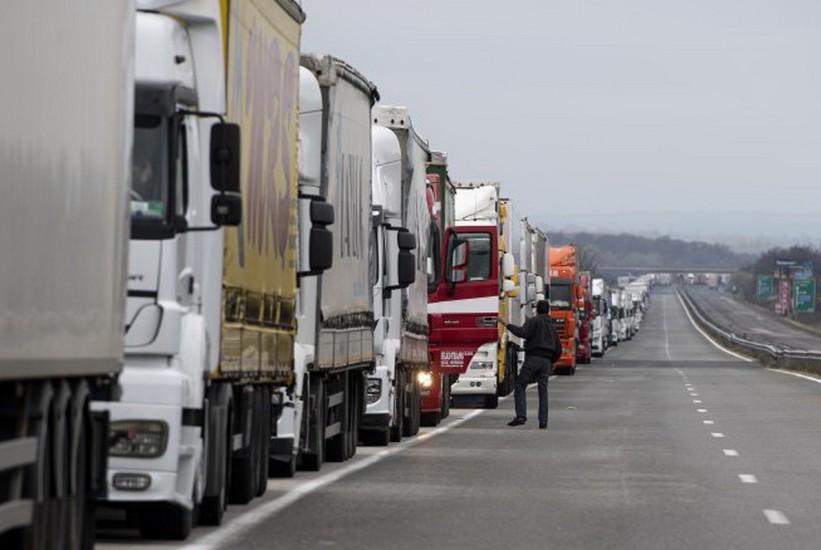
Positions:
(717, 434)
(776, 517)
(697, 401)
(702, 410)
(747, 478)
(709, 422)
(730, 452)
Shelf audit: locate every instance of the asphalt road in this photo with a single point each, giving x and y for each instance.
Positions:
(667, 442)
(752, 322)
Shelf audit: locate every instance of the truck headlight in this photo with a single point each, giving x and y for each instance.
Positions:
(481, 365)
(374, 390)
(425, 379)
(138, 438)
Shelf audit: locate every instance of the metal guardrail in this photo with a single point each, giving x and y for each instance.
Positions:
(779, 355)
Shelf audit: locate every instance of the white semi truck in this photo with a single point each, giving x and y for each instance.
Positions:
(533, 272)
(600, 324)
(211, 311)
(322, 410)
(65, 149)
(402, 223)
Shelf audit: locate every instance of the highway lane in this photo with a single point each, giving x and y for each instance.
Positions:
(752, 322)
(654, 446)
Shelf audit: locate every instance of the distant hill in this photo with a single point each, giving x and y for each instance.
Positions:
(632, 251)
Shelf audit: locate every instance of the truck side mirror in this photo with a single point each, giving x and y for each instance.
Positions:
(508, 265)
(322, 242)
(459, 262)
(226, 209)
(225, 157)
(407, 260)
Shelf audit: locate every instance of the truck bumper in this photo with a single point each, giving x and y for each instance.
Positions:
(166, 478)
(473, 385)
(155, 395)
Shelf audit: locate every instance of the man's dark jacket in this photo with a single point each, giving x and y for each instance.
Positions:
(541, 337)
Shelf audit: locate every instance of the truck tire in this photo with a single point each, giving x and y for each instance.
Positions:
(397, 429)
(313, 458)
(265, 421)
(282, 468)
(491, 401)
(166, 521)
(218, 446)
(337, 447)
(413, 407)
(445, 396)
(244, 470)
(431, 418)
(81, 508)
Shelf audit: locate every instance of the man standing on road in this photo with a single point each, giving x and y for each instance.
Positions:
(542, 348)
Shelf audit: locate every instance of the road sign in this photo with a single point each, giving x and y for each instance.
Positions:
(804, 296)
(764, 289)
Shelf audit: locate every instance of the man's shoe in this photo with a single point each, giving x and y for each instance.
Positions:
(516, 422)
(542, 425)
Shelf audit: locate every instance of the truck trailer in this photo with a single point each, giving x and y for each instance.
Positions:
(533, 272)
(65, 150)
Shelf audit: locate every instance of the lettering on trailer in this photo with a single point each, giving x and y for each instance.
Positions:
(349, 175)
(455, 359)
(269, 100)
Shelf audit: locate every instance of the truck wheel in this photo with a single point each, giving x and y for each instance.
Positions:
(445, 396)
(398, 428)
(414, 408)
(491, 401)
(313, 458)
(212, 508)
(282, 468)
(81, 509)
(166, 521)
(431, 418)
(337, 446)
(265, 419)
(244, 468)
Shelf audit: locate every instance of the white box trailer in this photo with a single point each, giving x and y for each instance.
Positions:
(65, 149)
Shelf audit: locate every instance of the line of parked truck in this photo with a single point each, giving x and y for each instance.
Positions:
(293, 267)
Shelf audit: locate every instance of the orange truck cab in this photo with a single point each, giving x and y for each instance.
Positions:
(564, 295)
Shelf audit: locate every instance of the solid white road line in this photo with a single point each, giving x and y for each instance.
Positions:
(747, 478)
(257, 515)
(776, 517)
(717, 434)
(730, 452)
(798, 374)
(709, 339)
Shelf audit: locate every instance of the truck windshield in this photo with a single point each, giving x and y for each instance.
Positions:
(480, 260)
(560, 297)
(150, 170)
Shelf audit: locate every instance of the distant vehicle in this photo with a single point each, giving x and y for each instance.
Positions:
(584, 351)
(691, 278)
(600, 325)
(566, 301)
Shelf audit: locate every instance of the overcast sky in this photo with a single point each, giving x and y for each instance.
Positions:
(685, 117)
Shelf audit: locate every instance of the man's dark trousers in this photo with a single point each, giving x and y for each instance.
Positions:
(538, 369)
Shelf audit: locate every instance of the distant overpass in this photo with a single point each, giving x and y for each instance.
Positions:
(633, 269)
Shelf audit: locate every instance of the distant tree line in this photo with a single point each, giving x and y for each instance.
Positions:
(632, 251)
